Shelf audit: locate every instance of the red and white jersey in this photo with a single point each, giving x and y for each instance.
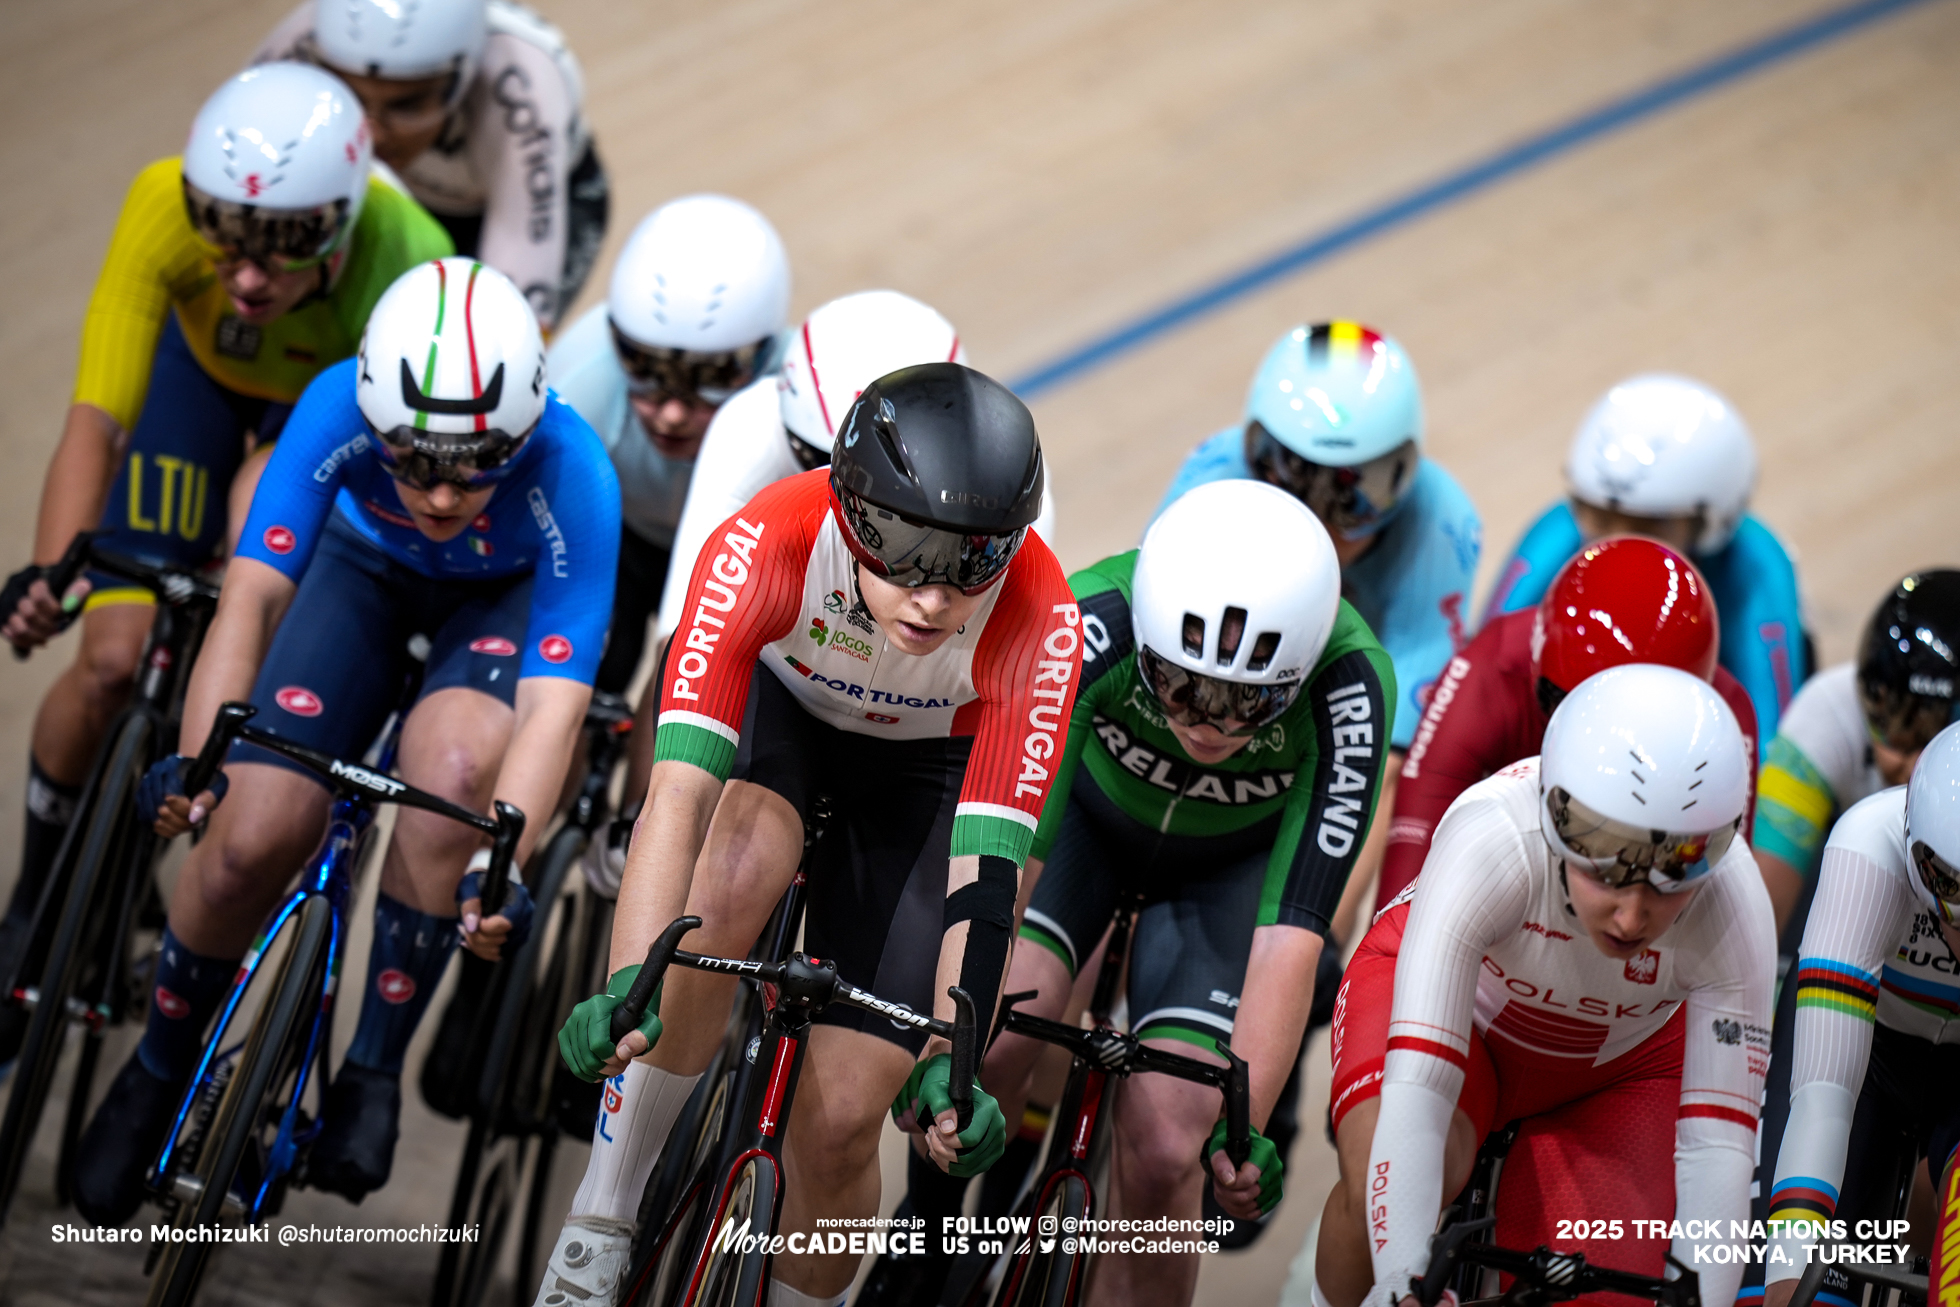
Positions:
(1492, 941)
(776, 584)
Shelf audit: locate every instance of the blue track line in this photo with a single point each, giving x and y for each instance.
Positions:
(1624, 112)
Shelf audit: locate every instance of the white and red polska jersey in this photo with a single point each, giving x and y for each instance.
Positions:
(1491, 940)
(776, 585)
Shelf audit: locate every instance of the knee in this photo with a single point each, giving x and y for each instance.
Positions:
(106, 668)
(234, 881)
(1161, 1156)
(833, 1147)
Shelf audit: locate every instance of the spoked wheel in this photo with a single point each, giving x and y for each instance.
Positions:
(86, 913)
(235, 1168)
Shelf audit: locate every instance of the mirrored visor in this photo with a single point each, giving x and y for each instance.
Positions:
(911, 554)
(282, 240)
(1619, 854)
(710, 377)
(1347, 499)
(1194, 699)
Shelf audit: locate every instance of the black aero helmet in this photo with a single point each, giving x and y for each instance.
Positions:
(1909, 660)
(937, 475)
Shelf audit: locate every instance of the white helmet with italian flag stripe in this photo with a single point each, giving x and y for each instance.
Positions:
(451, 373)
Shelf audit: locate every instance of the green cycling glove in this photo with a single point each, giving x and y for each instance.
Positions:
(1264, 1156)
(585, 1040)
(928, 1092)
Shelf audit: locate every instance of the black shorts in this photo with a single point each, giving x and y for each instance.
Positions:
(340, 659)
(876, 894)
(1194, 934)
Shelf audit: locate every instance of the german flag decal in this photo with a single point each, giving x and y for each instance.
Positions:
(1333, 343)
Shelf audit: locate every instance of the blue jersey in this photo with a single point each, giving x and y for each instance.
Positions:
(555, 516)
(1412, 587)
(1753, 583)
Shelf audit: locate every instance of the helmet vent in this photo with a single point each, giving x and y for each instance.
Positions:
(1194, 635)
(1231, 632)
(1263, 650)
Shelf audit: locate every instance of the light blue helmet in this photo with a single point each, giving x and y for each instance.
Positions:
(1335, 417)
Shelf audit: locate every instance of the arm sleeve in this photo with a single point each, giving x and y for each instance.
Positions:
(1857, 919)
(1762, 620)
(522, 146)
(1730, 967)
(1026, 670)
(576, 502)
(1794, 806)
(1325, 823)
(1474, 896)
(1451, 752)
(744, 594)
(295, 495)
(1108, 642)
(132, 294)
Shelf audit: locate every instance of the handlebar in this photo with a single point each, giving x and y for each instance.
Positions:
(1878, 1273)
(170, 585)
(353, 780)
(1541, 1276)
(807, 983)
(1123, 1054)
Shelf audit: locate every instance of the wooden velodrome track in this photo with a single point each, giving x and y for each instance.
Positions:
(1046, 172)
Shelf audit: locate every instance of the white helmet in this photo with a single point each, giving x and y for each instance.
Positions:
(1665, 446)
(1933, 826)
(700, 290)
(1643, 776)
(403, 39)
(844, 347)
(1235, 594)
(276, 167)
(452, 373)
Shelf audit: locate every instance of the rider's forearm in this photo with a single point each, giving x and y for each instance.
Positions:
(79, 476)
(253, 600)
(549, 711)
(1273, 1007)
(672, 828)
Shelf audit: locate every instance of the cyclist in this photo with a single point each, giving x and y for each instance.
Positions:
(1667, 457)
(1589, 950)
(1621, 600)
(1856, 728)
(1877, 1036)
(432, 486)
(1853, 730)
(227, 287)
(888, 634)
(1231, 731)
(479, 106)
(697, 310)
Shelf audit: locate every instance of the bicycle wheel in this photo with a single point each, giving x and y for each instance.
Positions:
(84, 916)
(710, 1254)
(508, 1099)
(1054, 1271)
(255, 1100)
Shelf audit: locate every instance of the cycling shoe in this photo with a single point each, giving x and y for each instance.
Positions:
(356, 1147)
(588, 1267)
(114, 1154)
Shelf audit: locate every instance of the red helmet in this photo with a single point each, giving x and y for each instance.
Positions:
(1627, 599)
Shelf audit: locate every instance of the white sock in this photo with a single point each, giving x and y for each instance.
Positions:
(781, 1295)
(636, 1113)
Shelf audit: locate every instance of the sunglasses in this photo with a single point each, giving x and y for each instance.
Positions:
(686, 375)
(278, 240)
(913, 554)
(1347, 499)
(1194, 699)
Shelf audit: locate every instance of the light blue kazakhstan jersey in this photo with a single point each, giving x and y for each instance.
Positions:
(1752, 580)
(1412, 588)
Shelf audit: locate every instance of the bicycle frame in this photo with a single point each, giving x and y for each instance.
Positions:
(357, 790)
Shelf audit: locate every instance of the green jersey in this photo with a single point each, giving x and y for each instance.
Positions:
(1314, 773)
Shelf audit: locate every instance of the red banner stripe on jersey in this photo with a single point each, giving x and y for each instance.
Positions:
(1747, 1120)
(1413, 1044)
(1550, 1031)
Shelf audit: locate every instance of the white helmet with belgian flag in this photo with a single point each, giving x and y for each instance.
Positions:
(451, 374)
